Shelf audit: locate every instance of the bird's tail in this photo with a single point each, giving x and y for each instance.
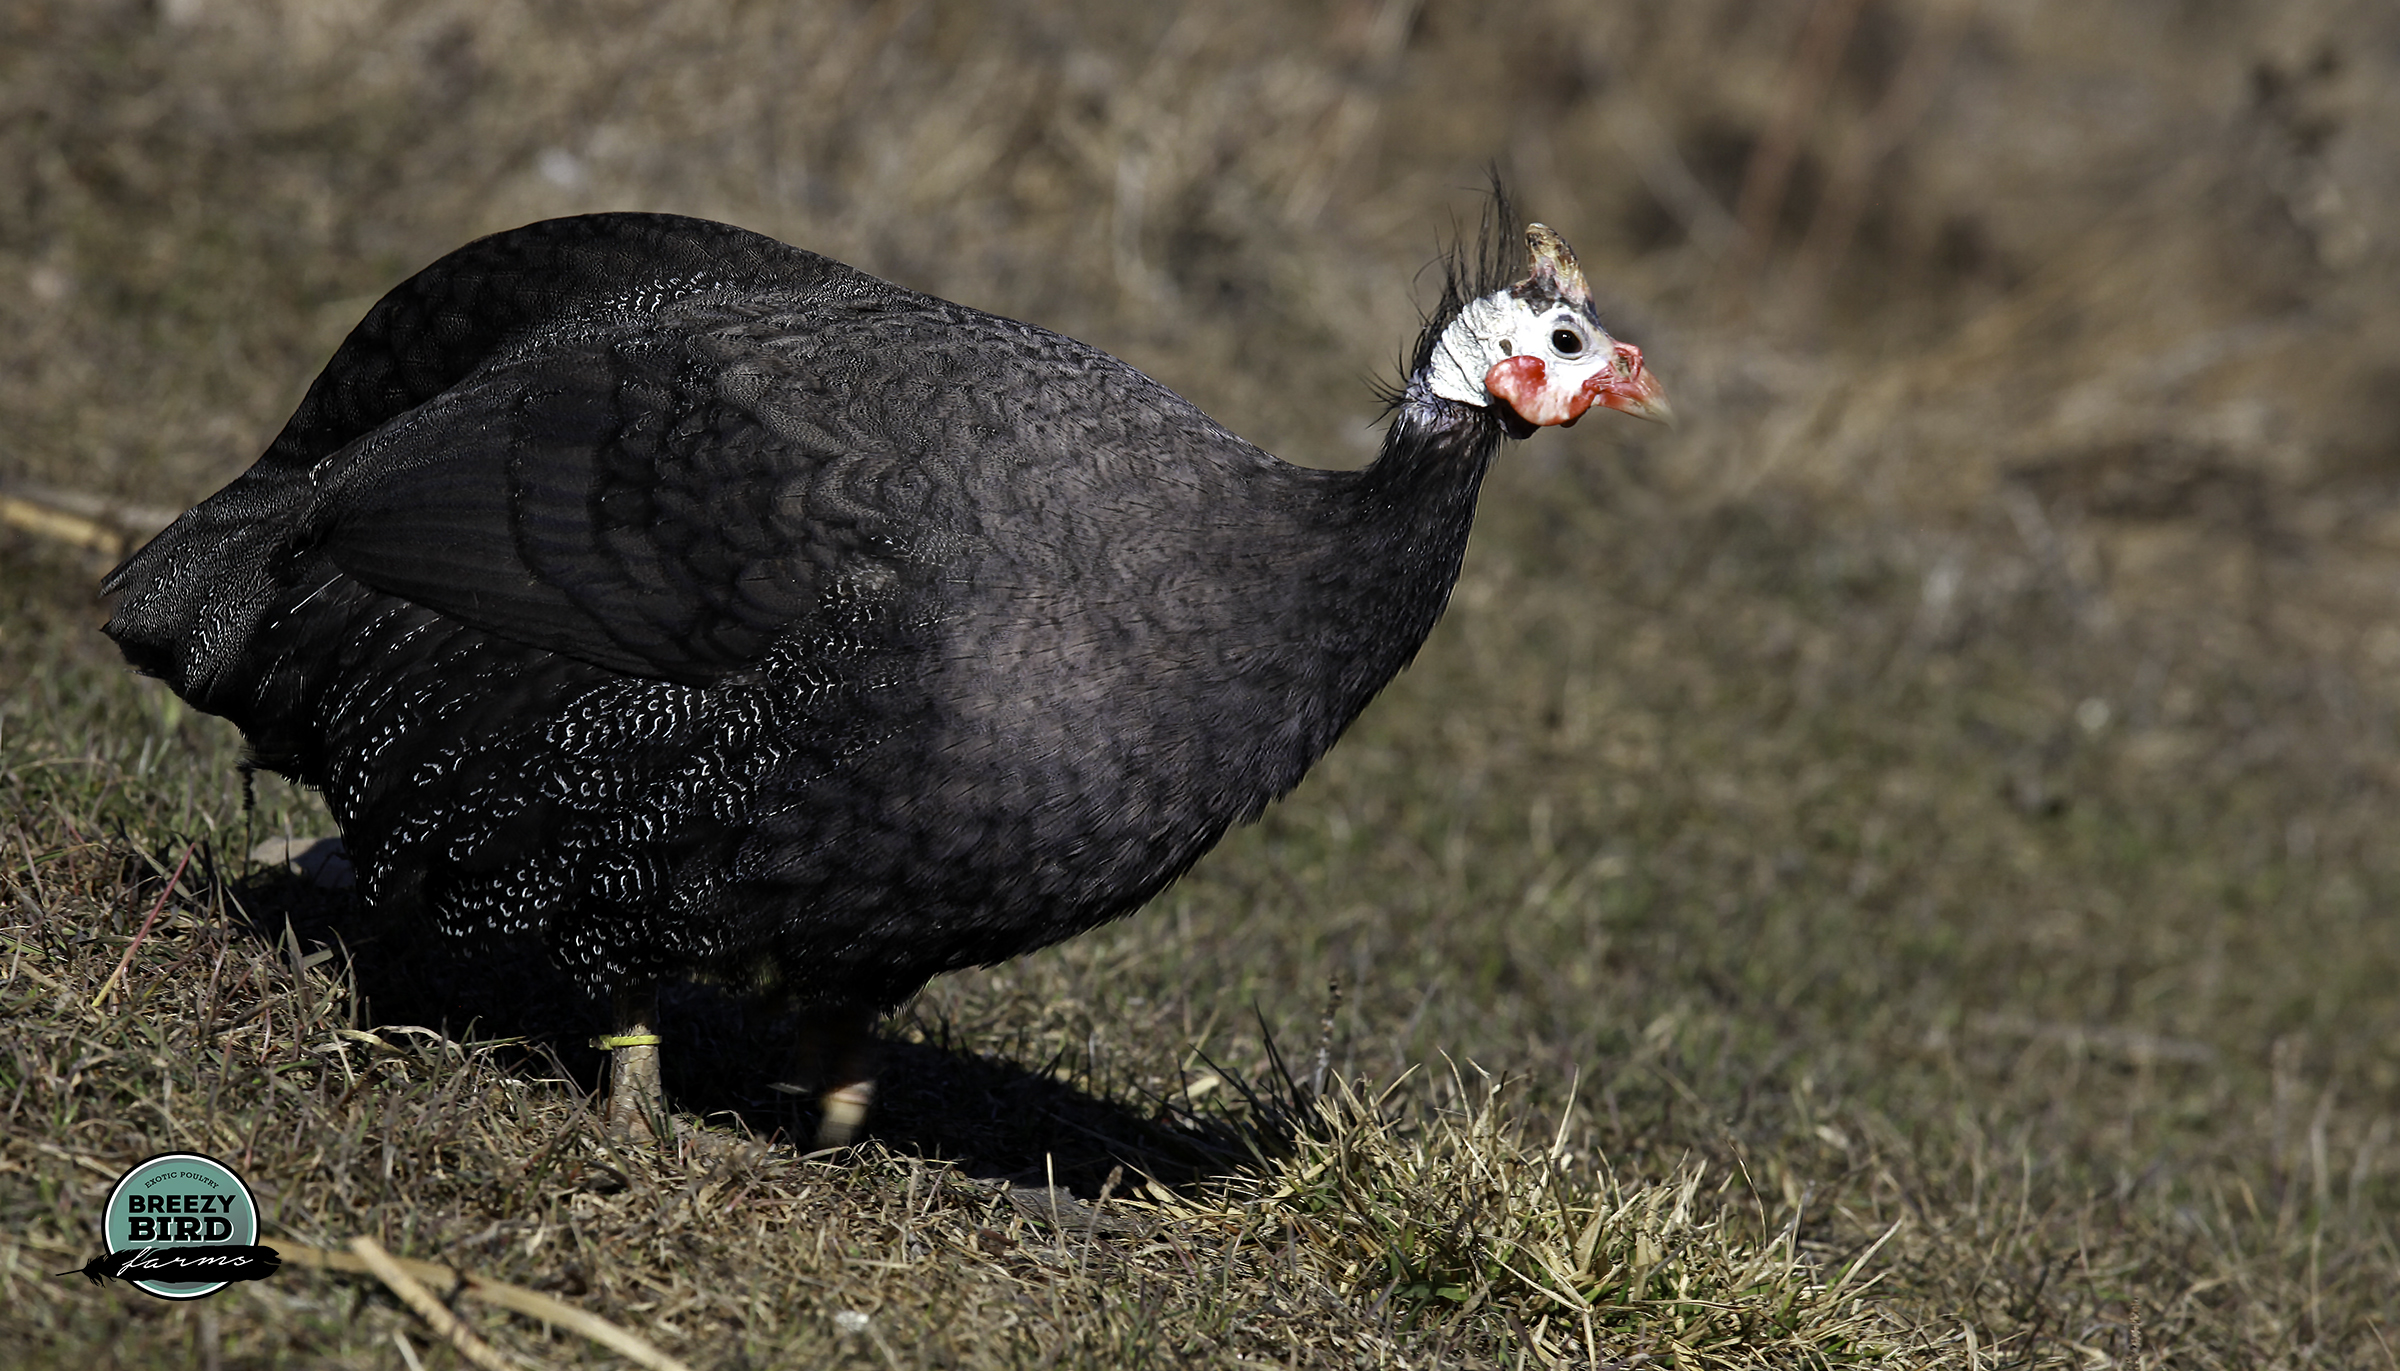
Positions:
(190, 601)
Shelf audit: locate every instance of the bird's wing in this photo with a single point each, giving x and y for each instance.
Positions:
(455, 317)
(660, 505)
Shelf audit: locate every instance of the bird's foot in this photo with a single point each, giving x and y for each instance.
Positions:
(637, 1106)
(843, 1113)
(637, 1109)
(835, 1056)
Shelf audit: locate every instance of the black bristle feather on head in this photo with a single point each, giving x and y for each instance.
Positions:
(1495, 262)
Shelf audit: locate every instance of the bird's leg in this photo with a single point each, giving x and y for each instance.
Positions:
(635, 1101)
(836, 1056)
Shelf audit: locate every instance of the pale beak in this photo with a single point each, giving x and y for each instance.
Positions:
(1630, 388)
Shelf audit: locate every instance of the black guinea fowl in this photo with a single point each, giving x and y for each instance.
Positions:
(701, 606)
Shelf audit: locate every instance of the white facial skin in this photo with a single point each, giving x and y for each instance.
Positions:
(1547, 361)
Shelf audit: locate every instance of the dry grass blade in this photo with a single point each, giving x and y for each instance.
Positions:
(106, 528)
(60, 525)
(436, 1315)
(531, 1303)
(138, 938)
(1465, 1218)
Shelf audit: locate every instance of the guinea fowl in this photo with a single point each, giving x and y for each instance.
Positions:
(698, 605)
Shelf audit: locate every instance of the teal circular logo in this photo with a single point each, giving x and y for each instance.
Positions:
(167, 1210)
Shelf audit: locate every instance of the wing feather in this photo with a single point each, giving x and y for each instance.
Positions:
(611, 502)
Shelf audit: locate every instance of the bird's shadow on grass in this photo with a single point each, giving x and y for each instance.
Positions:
(937, 1098)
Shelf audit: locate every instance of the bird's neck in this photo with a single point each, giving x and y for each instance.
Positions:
(1401, 531)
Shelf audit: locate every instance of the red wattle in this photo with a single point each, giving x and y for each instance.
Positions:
(1524, 383)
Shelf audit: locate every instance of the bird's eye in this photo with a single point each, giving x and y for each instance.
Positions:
(1566, 342)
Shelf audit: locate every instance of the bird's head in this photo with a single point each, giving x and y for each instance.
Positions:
(1537, 348)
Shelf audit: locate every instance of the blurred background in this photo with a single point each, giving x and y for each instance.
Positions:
(1977, 717)
(1903, 250)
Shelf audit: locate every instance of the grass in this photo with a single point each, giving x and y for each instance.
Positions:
(1892, 874)
(1345, 1227)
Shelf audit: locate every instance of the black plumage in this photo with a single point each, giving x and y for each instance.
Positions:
(697, 604)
